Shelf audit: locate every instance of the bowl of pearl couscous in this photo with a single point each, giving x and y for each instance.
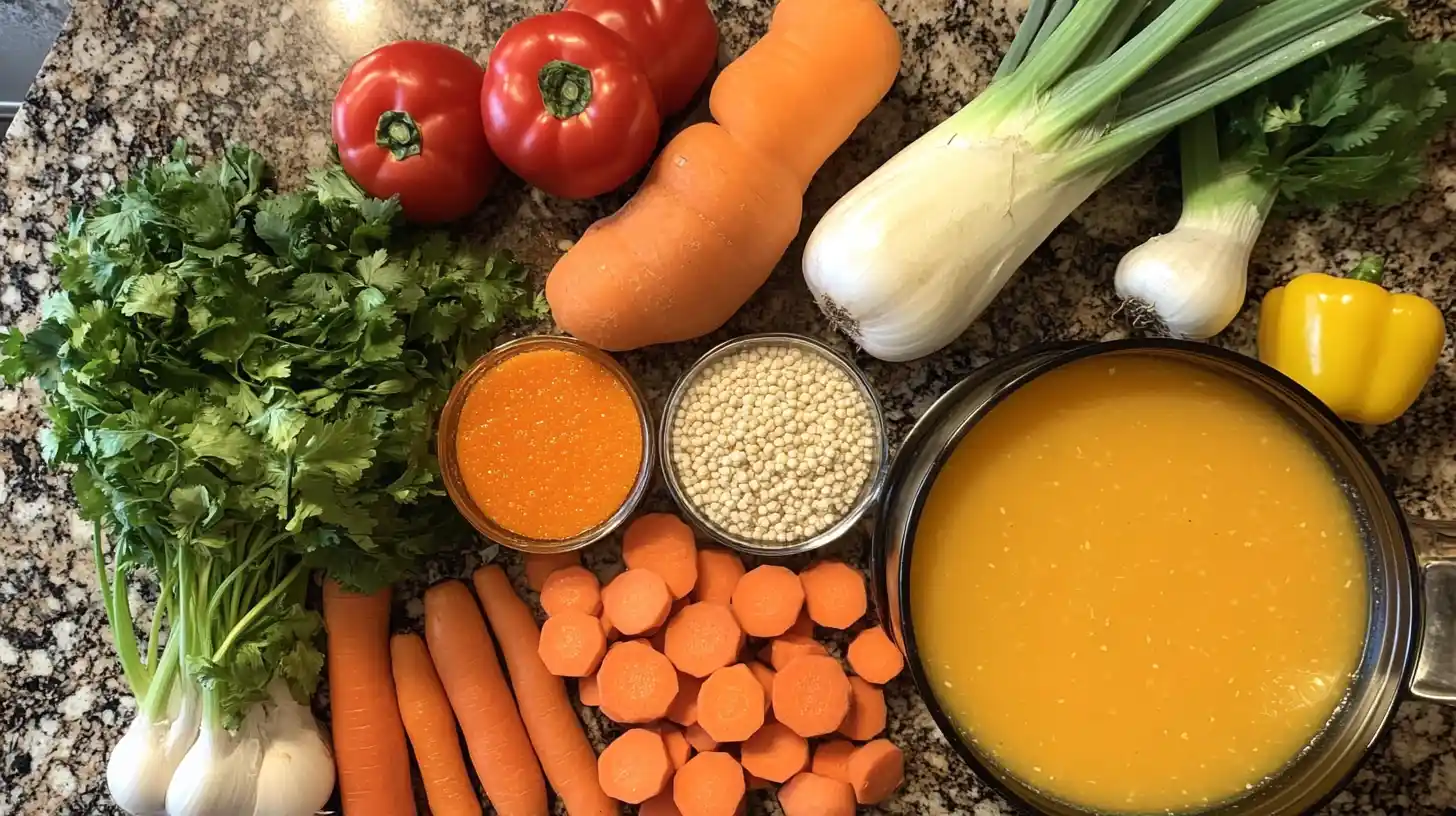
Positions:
(774, 444)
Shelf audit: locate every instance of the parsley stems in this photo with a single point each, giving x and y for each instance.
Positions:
(122, 635)
(159, 614)
(258, 609)
(164, 675)
(123, 629)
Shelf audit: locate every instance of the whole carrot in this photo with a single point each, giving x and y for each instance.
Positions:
(465, 658)
(369, 743)
(700, 236)
(561, 744)
(772, 99)
(431, 728)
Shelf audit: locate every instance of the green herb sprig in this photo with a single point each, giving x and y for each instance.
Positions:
(246, 384)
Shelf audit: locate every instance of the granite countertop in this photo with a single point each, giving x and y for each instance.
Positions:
(126, 78)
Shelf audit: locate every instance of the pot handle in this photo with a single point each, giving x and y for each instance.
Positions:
(1434, 679)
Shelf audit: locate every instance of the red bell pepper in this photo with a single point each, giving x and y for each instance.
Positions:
(677, 41)
(407, 123)
(567, 106)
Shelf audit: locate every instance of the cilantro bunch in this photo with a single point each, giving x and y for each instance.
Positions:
(246, 384)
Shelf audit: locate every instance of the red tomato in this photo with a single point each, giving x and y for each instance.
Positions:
(567, 106)
(677, 41)
(407, 123)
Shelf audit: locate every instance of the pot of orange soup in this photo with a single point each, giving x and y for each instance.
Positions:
(1152, 576)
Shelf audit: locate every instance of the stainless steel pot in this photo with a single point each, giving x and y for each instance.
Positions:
(1410, 641)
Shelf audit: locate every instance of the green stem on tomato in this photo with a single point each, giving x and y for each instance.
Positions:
(397, 131)
(566, 88)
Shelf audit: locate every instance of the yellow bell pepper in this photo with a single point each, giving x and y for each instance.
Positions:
(1362, 350)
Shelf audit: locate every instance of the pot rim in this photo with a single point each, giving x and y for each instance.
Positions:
(1066, 353)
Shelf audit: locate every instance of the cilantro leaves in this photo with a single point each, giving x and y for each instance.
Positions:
(1352, 124)
(286, 354)
(246, 384)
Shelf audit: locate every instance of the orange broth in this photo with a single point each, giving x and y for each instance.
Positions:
(550, 443)
(1137, 586)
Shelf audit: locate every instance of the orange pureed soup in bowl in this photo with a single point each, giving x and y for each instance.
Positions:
(1137, 586)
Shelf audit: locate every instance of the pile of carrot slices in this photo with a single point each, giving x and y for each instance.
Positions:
(716, 673)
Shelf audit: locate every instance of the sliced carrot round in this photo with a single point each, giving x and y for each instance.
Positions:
(588, 691)
(609, 631)
(571, 644)
(831, 759)
(540, 566)
(867, 714)
(662, 543)
(730, 704)
(834, 594)
(679, 750)
(803, 625)
(635, 767)
(786, 649)
(718, 573)
(767, 601)
(774, 752)
(810, 794)
(572, 589)
(699, 739)
(711, 784)
(765, 677)
(876, 769)
(659, 805)
(810, 695)
(703, 638)
(637, 683)
(684, 708)
(874, 656)
(637, 601)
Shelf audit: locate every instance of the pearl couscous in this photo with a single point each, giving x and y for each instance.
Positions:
(773, 443)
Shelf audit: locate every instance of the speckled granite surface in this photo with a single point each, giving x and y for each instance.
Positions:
(126, 77)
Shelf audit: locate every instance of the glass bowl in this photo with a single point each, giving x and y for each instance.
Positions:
(450, 463)
(868, 494)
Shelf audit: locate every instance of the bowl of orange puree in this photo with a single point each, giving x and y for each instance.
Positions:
(545, 444)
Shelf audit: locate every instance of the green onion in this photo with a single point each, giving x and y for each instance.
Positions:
(914, 253)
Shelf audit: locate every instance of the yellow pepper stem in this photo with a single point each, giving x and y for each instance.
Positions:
(1371, 269)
